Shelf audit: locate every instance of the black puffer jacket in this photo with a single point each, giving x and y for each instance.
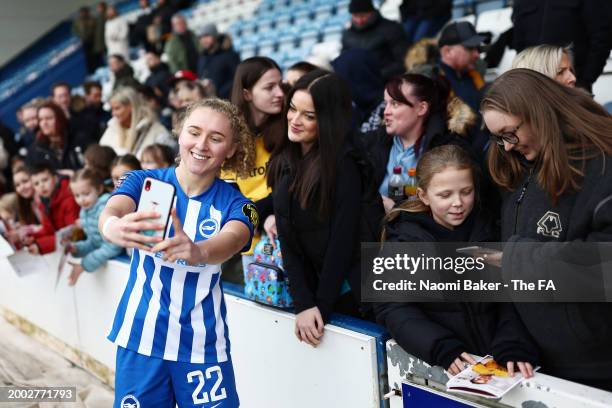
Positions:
(575, 338)
(385, 39)
(439, 332)
(319, 254)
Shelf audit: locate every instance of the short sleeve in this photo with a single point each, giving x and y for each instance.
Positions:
(244, 211)
(130, 185)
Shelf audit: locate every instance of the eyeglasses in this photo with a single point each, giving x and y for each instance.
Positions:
(508, 137)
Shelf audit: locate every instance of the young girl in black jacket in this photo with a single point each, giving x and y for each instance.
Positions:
(316, 188)
(444, 333)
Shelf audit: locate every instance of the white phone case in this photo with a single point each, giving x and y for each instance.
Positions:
(157, 196)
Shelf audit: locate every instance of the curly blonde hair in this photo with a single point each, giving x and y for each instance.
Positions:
(244, 158)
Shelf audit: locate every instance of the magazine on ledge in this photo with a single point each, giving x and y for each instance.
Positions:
(486, 379)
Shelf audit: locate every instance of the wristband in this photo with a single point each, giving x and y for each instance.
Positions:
(106, 224)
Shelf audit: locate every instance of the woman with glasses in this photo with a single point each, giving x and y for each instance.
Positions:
(554, 160)
(418, 116)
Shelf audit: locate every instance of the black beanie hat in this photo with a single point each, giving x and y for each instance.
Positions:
(360, 6)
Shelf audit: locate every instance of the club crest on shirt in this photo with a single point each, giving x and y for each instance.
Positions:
(550, 225)
(250, 212)
(130, 401)
(209, 227)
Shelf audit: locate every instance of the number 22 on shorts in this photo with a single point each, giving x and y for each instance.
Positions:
(216, 394)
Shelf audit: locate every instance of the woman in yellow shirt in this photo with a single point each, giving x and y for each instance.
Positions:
(258, 93)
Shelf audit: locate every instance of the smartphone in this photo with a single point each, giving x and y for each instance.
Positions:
(477, 251)
(157, 196)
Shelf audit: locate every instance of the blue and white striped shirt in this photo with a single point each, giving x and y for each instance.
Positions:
(176, 311)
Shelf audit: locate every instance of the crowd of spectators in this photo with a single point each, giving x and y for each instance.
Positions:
(399, 98)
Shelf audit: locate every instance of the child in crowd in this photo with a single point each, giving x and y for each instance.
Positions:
(8, 213)
(100, 159)
(28, 213)
(447, 211)
(157, 156)
(88, 189)
(57, 207)
(123, 164)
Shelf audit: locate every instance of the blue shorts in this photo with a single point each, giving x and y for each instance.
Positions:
(143, 382)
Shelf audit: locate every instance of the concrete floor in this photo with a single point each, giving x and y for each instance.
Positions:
(25, 362)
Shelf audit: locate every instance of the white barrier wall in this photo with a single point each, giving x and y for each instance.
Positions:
(272, 368)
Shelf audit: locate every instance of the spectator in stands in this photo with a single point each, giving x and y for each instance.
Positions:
(122, 165)
(100, 39)
(116, 34)
(552, 156)
(28, 217)
(84, 27)
(61, 95)
(133, 126)
(459, 50)
(53, 141)
(8, 214)
(218, 60)
(160, 76)
(163, 12)
(155, 35)
(385, 39)
(362, 72)
(83, 125)
(417, 117)
(188, 92)
(157, 156)
(122, 74)
(182, 46)
(138, 30)
(94, 109)
(585, 24)
(551, 60)
(27, 209)
(57, 206)
(88, 190)
(447, 210)
(27, 133)
(424, 18)
(317, 188)
(257, 92)
(100, 158)
(298, 70)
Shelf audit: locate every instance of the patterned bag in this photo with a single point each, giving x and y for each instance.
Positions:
(265, 281)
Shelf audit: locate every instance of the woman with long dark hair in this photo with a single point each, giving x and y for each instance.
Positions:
(552, 154)
(317, 188)
(53, 142)
(257, 92)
